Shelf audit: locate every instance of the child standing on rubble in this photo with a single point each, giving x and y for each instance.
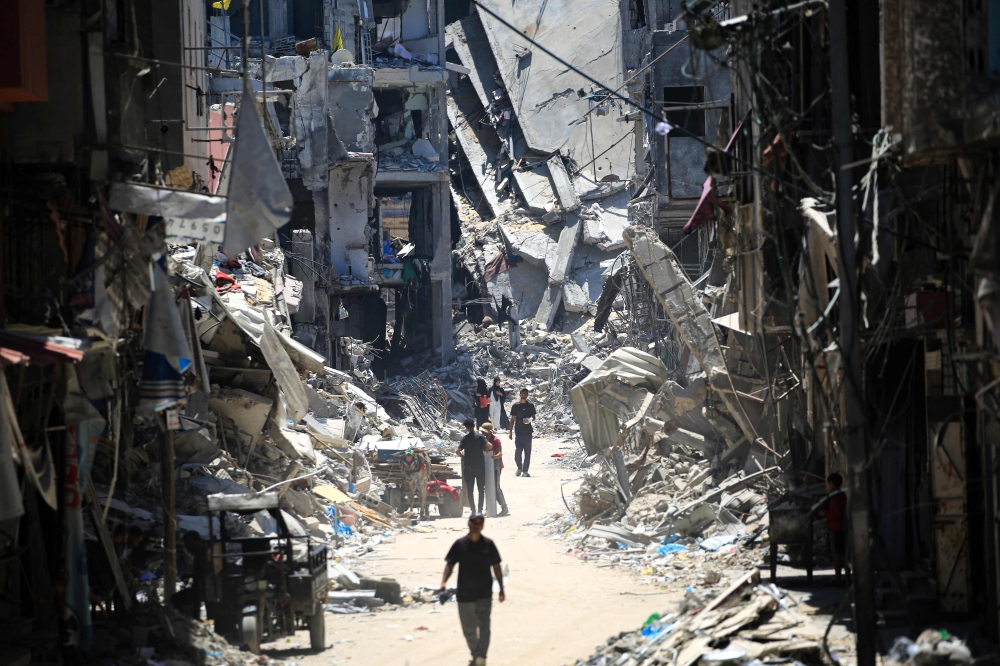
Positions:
(835, 510)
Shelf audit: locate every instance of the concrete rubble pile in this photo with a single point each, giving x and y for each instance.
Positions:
(276, 418)
(681, 481)
(746, 623)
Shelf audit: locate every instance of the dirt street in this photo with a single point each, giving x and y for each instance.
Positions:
(557, 607)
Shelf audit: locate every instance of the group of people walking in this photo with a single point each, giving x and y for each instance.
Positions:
(481, 444)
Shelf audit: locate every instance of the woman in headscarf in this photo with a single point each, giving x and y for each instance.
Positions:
(498, 415)
(482, 402)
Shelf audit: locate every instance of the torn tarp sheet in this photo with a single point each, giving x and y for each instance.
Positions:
(284, 372)
(599, 426)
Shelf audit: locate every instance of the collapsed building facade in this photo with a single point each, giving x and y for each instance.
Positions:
(839, 313)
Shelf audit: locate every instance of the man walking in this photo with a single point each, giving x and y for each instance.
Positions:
(521, 416)
(472, 450)
(475, 555)
(497, 450)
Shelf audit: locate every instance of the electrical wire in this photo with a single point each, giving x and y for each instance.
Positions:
(645, 110)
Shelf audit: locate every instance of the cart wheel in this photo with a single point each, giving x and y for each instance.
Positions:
(251, 633)
(317, 629)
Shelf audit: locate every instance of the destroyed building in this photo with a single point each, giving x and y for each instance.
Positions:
(781, 342)
(266, 248)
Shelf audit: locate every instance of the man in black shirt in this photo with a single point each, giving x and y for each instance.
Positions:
(475, 555)
(521, 416)
(473, 449)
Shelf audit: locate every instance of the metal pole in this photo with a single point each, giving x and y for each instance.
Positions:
(855, 435)
(169, 513)
(246, 43)
(263, 56)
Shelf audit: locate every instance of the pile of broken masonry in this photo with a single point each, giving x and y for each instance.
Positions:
(752, 624)
(274, 417)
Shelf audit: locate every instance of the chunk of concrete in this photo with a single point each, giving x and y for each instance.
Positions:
(248, 410)
(536, 189)
(423, 148)
(691, 440)
(549, 305)
(534, 247)
(346, 578)
(386, 588)
(574, 298)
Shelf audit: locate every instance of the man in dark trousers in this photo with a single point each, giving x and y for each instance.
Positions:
(472, 450)
(475, 555)
(521, 416)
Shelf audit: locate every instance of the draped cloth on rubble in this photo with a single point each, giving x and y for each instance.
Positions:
(84, 426)
(168, 351)
(286, 358)
(258, 200)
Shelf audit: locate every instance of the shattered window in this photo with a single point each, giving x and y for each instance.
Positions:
(681, 99)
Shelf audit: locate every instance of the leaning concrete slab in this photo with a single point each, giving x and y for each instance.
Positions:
(473, 49)
(536, 189)
(549, 305)
(684, 307)
(562, 184)
(480, 148)
(568, 238)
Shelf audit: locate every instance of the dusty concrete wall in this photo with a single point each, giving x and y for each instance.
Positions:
(351, 105)
(349, 195)
(685, 67)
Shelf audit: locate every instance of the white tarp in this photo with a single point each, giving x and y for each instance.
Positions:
(259, 200)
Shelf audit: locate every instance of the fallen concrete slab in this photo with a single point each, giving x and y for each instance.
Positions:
(588, 35)
(480, 150)
(562, 184)
(568, 238)
(676, 294)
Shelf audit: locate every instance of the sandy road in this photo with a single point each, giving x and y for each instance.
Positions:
(557, 607)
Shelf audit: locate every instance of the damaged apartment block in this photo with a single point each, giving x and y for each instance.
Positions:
(364, 136)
